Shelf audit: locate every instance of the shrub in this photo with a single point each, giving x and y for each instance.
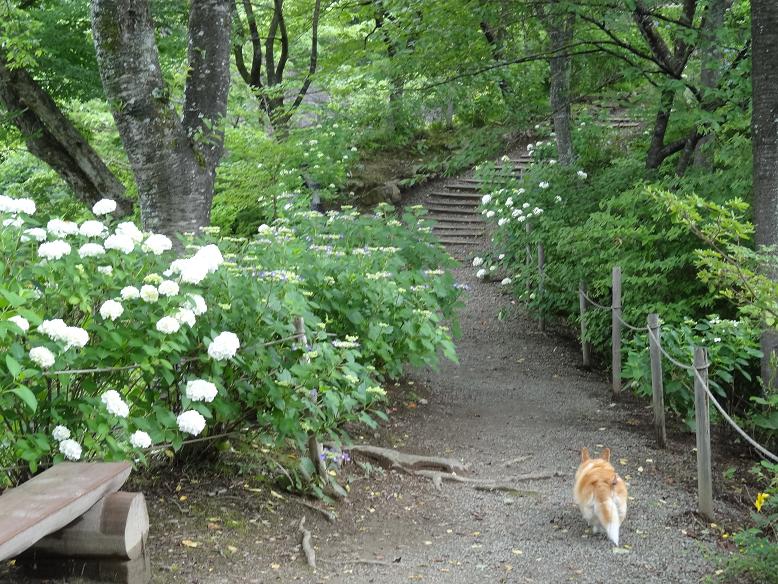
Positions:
(145, 338)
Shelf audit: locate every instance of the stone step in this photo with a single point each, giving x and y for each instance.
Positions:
(472, 219)
(455, 209)
(457, 231)
(453, 241)
(455, 195)
(464, 186)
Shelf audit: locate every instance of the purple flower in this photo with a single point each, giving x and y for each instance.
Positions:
(462, 286)
(313, 394)
(344, 457)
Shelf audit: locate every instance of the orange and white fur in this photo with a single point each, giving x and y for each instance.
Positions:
(601, 494)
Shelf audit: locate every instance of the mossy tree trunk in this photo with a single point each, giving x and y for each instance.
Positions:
(764, 132)
(52, 137)
(173, 158)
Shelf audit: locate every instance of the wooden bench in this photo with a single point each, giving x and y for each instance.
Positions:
(70, 520)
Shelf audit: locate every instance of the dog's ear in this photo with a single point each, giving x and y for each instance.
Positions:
(606, 454)
(584, 454)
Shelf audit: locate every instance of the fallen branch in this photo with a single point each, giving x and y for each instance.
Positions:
(485, 484)
(310, 555)
(409, 462)
(361, 561)
(516, 460)
(508, 488)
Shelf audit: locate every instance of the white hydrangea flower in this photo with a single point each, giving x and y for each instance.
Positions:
(224, 346)
(75, 337)
(489, 214)
(509, 202)
(60, 433)
(486, 199)
(129, 293)
(190, 271)
(477, 261)
(210, 256)
(502, 221)
(104, 206)
(582, 175)
(197, 304)
(114, 403)
(54, 329)
(111, 309)
(71, 449)
(42, 357)
(54, 250)
(157, 244)
(537, 211)
(525, 206)
(168, 288)
(120, 242)
(129, 229)
(21, 322)
(558, 199)
(36, 233)
(480, 274)
(185, 316)
(501, 256)
(10, 205)
(201, 390)
(107, 270)
(515, 213)
(60, 228)
(544, 185)
(149, 293)
(168, 325)
(13, 222)
(140, 439)
(521, 191)
(91, 250)
(521, 218)
(506, 281)
(93, 228)
(552, 162)
(191, 422)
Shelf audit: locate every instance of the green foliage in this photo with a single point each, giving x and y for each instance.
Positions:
(369, 289)
(757, 547)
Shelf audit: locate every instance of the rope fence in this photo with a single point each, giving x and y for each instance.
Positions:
(702, 393)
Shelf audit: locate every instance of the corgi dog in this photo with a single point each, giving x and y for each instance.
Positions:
(601, 494)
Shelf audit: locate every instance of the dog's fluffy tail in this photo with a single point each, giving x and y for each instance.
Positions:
(606, 510)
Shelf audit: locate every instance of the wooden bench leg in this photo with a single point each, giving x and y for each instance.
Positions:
(137, 571)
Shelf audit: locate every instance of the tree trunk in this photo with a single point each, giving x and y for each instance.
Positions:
(560, 31)
(764, 132)
(710, 72)
(51, 137)
(173, 160)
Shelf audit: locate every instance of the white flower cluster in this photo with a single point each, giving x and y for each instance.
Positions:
(193, 270)
(111, 310)
(477, 261)
(224, 346)
(54, 250)
(42, 357)
(157, 244)
(168, 325)
(60, 228)
(93, 228)
(9, 205)
(104, 207)
(70, 449)
(21, 322)
(200, 390)
(140, 439)
(114, 403)
(90, 250)
(57, 330)
(191, 422)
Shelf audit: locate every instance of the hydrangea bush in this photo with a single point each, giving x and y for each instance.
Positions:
(112, 343)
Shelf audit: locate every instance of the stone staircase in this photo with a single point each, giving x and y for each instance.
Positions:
(454, 206)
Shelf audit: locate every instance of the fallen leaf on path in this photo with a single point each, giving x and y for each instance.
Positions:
(620, 551)
(189, 543)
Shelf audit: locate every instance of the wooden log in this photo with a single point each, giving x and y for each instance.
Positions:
(657, 383)
(702, 419)
(616, 331)
(586, 346)
(116, 527)
(53, 499)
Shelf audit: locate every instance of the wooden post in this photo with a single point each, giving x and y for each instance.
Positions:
(616, 330)
(314, 448)
(528, 229)
(541, 273)
(704, 474)
(656, 379)
(586, 346)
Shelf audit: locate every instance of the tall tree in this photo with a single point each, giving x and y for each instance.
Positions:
(764, 132)
(173, 156)
(560, 22)
(268, 81)
(53, 138)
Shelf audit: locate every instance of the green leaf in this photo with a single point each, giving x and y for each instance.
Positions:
(27, 396)
(13, 366)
